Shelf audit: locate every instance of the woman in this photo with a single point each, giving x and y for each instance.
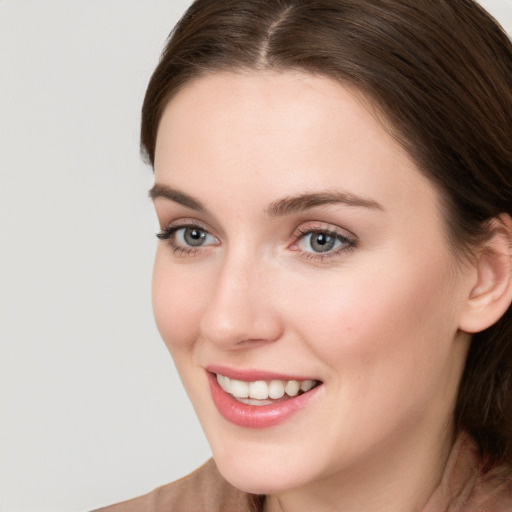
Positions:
(333, 182)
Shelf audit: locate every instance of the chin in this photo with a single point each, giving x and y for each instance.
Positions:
(261, 475)
(257, 481)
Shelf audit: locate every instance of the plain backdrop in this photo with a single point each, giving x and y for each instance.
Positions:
(92, 411)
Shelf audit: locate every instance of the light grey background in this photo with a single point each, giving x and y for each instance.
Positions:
(92, 411)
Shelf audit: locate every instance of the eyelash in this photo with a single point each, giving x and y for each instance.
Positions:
(348, 243)
(169, 233)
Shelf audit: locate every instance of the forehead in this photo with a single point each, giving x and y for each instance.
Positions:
(266, 99)
(291, 130)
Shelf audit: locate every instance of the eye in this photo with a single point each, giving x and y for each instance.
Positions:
(187, 239)
(320, 243)
(192, 236)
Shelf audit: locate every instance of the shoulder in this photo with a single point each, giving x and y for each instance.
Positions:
(203, 490)
(493, 490)
(467, 486)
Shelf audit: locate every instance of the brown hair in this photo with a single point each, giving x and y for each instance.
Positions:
(441, 73)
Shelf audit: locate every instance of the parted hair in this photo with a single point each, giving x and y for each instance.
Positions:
(440, 74)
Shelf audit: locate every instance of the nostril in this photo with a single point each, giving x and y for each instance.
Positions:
(249, 326)
(240, 312)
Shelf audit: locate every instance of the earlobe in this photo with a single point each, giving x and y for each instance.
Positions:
(491, 293)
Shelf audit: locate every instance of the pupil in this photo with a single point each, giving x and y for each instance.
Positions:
(194, 236)
(322, 242)
(322, 239)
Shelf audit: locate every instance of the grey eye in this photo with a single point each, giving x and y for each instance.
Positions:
(193, 237)
(321, 242)
(185, 238)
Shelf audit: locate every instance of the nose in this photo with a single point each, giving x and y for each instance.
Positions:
(241, 308)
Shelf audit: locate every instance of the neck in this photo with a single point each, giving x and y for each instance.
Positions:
(400, 479)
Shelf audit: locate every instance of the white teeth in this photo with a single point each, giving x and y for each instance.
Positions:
(239, 388)
(276, 389)
(258, 390)
(261, 390)
(224, 382)
(292, 388)
(306, 385)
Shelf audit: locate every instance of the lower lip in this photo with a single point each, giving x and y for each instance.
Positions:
(256, 416)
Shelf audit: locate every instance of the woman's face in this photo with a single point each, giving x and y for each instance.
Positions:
(301, 246)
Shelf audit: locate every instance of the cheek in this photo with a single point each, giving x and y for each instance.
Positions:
(386, 340)
(385, 315)
(176, 304)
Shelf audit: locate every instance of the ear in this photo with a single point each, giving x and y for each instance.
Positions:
(491, 292)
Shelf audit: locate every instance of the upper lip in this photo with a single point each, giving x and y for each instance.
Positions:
(251, 375)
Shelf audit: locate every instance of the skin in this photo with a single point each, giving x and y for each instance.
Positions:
(377, 321)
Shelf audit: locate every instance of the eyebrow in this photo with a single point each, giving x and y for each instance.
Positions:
(176, 196)
(302, 202)
(279, 208)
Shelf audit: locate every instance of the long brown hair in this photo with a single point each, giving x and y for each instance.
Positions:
(440, 73)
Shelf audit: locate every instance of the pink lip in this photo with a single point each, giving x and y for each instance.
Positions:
(256, 416)
(252, 375)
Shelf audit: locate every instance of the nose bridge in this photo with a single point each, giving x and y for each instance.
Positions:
(240, 308)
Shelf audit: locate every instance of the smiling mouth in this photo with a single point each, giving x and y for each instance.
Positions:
(261, 392)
